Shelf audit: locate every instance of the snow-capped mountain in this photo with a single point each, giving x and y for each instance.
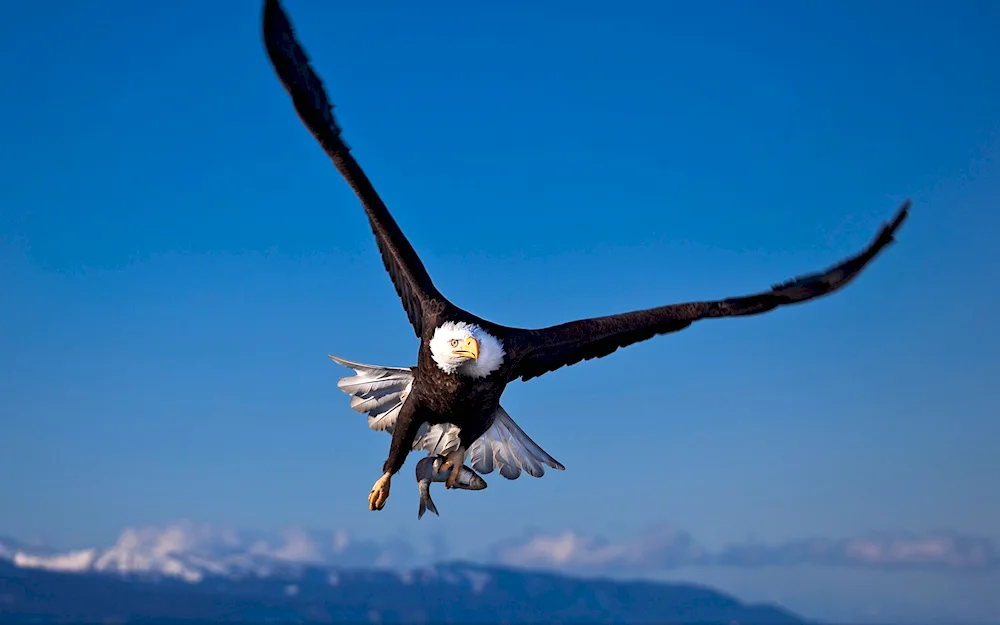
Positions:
(192, 552)
(199, 573)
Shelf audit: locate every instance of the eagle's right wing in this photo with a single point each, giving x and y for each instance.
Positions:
(413, 285)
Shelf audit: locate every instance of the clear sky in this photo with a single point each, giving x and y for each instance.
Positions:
(178, 257)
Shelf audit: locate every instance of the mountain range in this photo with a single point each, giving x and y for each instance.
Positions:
(210, 575)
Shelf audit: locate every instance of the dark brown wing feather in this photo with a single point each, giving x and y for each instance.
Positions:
(411, 280)
(534, 352)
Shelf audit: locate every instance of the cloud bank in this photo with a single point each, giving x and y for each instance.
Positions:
(940, 550)
(188, 549)
(657, 548)
(663, 548)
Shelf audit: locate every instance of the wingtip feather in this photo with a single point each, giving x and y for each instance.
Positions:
(901, 215)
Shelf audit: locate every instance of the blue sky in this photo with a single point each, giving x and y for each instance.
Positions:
(178, 257)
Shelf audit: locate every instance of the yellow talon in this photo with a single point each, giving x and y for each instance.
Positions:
(380, 492)
(454, 462)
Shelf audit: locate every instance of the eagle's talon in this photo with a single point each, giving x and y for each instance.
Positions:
(453, 476)
(454, 462)
(380, 493)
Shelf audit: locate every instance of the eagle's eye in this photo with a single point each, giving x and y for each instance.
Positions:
(454, 342)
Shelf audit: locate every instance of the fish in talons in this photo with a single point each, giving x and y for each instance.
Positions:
(431, 469)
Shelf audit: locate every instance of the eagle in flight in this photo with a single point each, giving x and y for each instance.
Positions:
(451, 398)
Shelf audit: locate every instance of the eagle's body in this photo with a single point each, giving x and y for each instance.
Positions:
(381, 392)
(464, 363)
(448, 398)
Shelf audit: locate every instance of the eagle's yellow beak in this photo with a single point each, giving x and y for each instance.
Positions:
(469, 350)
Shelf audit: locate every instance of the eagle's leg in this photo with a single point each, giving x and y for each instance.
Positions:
(403, 433)
(467, 435)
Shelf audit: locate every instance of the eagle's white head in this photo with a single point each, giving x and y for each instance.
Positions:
(467, 349)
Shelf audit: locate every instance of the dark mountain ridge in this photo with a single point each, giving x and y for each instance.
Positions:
(454, 592)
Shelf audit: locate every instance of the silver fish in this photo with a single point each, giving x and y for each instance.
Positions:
(429, 471)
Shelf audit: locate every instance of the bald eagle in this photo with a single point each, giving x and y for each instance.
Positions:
(380, 392)
(464, 362)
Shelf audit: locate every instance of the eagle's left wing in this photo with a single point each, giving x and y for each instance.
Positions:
(534, 352)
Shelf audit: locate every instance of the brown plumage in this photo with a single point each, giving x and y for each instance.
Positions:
(461, 394)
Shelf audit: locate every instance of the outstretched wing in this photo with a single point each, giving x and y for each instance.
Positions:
(535, 352)
(413, 285)
(381, 391)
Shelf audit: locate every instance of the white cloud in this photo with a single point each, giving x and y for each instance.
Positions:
(296, 545)
(660, 547)
(937, 550)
